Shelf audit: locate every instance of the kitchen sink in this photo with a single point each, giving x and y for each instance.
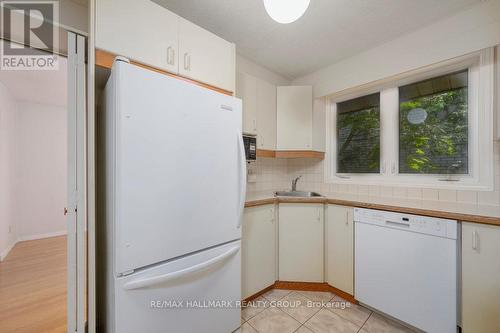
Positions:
(301, 194)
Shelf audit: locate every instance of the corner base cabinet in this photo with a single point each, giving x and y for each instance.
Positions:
(340, 248)
(258, 249)
(301, 242)
(480, 278)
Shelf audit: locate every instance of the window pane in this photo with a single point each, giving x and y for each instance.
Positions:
(358, 135)
(433, 126)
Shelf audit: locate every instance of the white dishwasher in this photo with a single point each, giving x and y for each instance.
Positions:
(406, 267)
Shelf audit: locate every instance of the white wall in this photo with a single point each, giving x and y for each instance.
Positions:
(33, 170)
(7, 113)
(74, 14)
(243, 65)
(462, 33)
(40, 170)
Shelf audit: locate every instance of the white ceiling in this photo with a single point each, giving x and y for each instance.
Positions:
(329, 31)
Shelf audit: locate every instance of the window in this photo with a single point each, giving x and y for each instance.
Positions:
(433, 126)
(430, 128)
(358, 135)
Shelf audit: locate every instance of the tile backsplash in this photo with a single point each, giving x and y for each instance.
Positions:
(276, 174)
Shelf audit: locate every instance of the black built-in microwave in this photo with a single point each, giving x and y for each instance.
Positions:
(250, 147)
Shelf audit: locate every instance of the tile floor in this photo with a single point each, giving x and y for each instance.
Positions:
(287, 311)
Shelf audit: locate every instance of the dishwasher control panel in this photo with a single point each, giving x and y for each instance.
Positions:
(415, 223)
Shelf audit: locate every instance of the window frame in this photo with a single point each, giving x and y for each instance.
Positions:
(481, 77)
(337, 135)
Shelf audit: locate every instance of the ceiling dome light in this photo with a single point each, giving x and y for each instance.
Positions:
(286, 11)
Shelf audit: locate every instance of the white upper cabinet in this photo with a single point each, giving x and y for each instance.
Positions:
(294, 118)
(300, 242)
(258, 249)
(340, 248)
(259, 109)
(150, 34)
(266, 115)
(480, 278)
(140, 30)
(206, 57)
(246, 89)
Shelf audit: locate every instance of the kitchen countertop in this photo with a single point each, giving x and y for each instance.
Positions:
(451, 210)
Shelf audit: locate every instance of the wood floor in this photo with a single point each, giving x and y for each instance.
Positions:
(33, 287)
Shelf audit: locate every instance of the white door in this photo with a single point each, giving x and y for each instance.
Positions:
(205, 57)
(340, 248)
(301, 242)
(294, 117)
(140, 30)
(266, 115)
(258, 255)
(180, 167)
(480, 278)
(75, 211)
(246, 89)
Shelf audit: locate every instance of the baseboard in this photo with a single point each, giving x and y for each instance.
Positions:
(40, 236)
(304, 286)
(256, 295)
(5, 252)
(343, 294)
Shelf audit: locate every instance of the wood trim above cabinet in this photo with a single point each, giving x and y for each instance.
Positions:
(266, 153)
(105, 59)
(290, 153)
(299, 154)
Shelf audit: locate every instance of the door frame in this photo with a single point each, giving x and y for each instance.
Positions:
(76, 205)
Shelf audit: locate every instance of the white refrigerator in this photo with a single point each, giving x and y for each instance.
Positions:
(175, 175)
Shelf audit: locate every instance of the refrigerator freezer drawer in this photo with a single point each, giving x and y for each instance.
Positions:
(197, 293)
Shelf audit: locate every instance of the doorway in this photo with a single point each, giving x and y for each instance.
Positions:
(42, 196)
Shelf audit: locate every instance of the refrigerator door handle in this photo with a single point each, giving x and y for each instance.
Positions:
(243, 181)
(149, 281)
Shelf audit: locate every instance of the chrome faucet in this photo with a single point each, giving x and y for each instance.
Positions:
(294, 183)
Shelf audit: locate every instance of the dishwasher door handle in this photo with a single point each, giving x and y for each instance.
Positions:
(397, 224)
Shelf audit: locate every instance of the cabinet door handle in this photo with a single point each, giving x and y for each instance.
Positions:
(319, 215)
(170, 55)
(187, 61)
(474, 240)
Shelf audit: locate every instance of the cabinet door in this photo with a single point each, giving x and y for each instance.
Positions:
(266, 115)
(294, 118)
(301, 242)
(340, 248)
(480, 278)
(206, 57)
(258, 252)
(246, 89)
(140, 30)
